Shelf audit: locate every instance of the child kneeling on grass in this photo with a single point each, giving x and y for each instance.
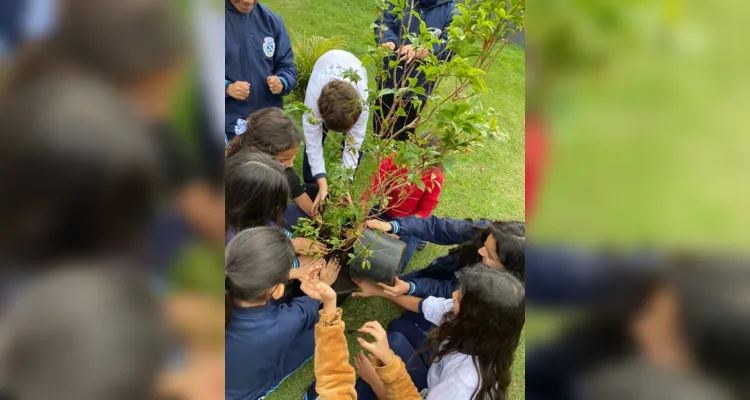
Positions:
(406, 199)
(470, 352)
(272, 132)
(256, 193)
(266, 342)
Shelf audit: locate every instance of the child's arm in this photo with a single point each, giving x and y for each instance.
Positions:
(426, 287)
(397, 382)
(430, 197)
(334, 374)
(442, 231)
(305, 204)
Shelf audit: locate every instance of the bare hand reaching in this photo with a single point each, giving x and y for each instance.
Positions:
(330, 273)
(309, 247)
(367, 289)
(379, 225)
(399, 288)
(379, 348)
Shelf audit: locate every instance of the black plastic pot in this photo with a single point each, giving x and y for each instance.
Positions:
(344, 286)
(388, 255)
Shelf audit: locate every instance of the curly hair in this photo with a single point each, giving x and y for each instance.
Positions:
(339, 105)
(269, 130)
(487, 327)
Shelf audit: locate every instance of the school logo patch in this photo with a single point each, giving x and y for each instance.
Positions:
(269, 46)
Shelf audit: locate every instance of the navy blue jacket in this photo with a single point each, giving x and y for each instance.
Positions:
(437, 16)
(437, 279)
(257, 341)
(257, 46)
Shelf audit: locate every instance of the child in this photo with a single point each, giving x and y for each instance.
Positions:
(498, 244)
(259, 65)
(264, 342)
(270, 131)
(336, 104)
(256, 193)
(469, 354)
(409, 200)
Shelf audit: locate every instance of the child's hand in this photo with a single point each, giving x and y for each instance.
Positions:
(330, 273)
(379, 348)
(315, 289)
(275, 84)
(309, 247)
(379, 225)
(366, 370)
(399, 288)
(306, 264)
(368, 289)
(347, 201)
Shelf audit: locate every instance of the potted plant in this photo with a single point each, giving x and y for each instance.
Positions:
(451, 120)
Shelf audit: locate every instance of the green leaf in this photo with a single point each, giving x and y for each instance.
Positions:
(401, 112)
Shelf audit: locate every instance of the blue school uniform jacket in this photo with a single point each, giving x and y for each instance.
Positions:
(437, 16)
(257, 46)
(438, 279)
(258, 340)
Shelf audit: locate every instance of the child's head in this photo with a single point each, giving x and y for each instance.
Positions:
(501, 245)
(339, 105)
(502, 248)
(256, 191)
(486, 323)
(257, 265)
(271, 131)
(84, 332)
(78, 172)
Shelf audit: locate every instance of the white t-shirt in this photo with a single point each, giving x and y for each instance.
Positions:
(455, 376)
(332, 65)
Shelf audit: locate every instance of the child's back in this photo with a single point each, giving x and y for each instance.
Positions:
(264, 342)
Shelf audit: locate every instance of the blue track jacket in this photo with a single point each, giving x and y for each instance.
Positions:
(257, 46)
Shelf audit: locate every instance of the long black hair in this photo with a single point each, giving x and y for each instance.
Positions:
(256, 191)
(256, 261)
(510, 244)
(269, 130)
(79, 174)
(488, 327)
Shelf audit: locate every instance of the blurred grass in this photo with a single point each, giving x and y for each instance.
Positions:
(487, 183)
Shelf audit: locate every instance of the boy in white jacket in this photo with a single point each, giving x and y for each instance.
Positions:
(337, 104)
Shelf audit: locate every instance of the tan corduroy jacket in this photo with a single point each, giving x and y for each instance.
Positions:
(336, 377)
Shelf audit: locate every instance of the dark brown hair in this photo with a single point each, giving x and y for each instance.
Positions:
(269, 130)
(255, 191)
(488, 328)
(257, 260)
(339, 105)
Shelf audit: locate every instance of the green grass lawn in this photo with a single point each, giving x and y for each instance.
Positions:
(488, 183)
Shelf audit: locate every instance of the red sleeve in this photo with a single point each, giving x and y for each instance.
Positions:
(431, 195)
(383, 171)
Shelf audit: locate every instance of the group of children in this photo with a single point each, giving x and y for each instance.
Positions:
(465, 311)
(466, 308)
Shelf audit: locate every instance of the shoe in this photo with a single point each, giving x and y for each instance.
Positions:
(422, 245)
